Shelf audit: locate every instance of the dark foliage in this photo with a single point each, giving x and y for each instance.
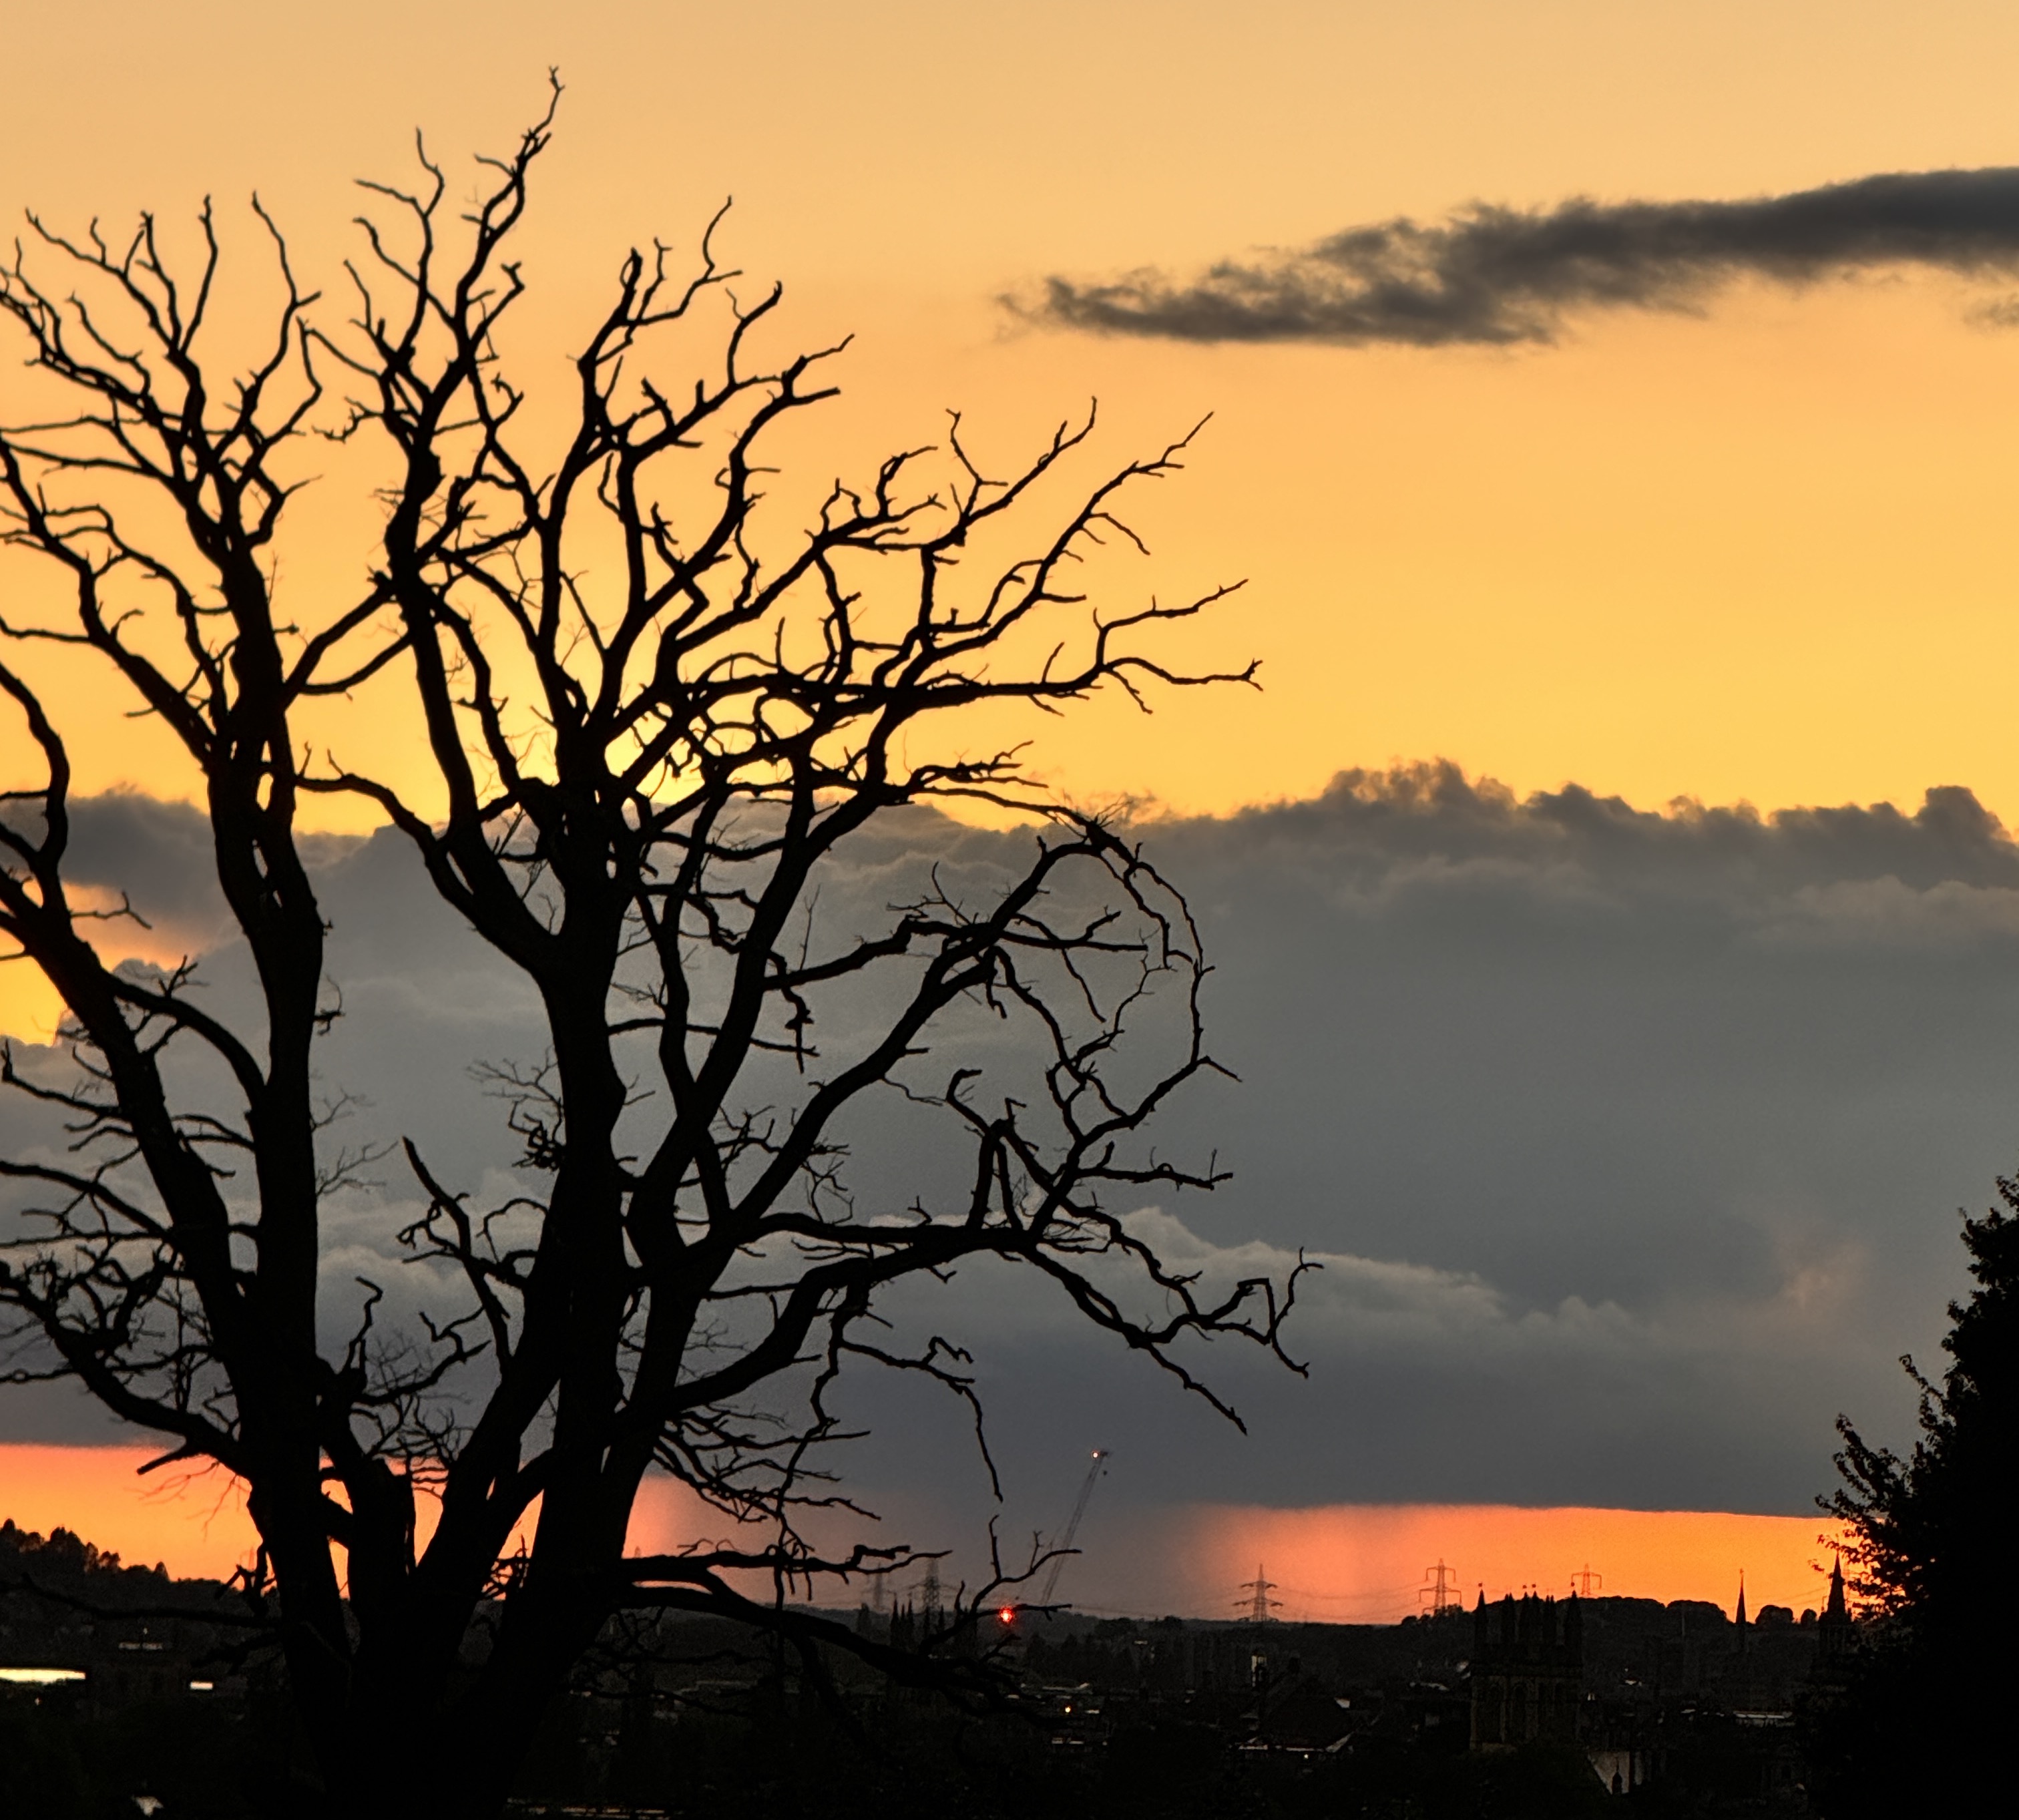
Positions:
(200, 1761)
(1915, 1724)
(64, 1557)
(934, 1766)
(676, 1714)
(923, 1764)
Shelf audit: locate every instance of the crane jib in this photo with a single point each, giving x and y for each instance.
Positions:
(1093, 1472)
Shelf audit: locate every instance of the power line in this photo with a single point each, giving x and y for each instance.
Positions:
(1361, 1598)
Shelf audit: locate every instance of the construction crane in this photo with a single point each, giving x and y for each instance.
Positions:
(1065, 1543)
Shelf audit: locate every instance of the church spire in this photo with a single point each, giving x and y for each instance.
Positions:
(1742, 1627)
(1833, 1634)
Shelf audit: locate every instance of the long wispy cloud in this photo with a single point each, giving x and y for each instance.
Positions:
(1498, 276)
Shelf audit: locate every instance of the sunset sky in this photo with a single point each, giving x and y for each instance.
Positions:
(1676, 1103)
(1756, 549)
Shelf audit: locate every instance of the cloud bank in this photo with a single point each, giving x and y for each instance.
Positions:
(1631, 1141)
(1495, 276)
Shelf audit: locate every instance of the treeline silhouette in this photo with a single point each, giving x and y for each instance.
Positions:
(679, 1714)
(174, 1693)
(173, 1706)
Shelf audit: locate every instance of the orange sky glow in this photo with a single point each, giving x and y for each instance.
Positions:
(1336, 1564)
(196, 1524)
(1368, 1564)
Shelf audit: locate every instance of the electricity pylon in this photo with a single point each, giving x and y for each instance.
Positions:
(1440, 1588)
(1261, 1604)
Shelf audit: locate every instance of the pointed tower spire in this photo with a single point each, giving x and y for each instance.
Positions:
(1742, 1627)
(1833, 1634)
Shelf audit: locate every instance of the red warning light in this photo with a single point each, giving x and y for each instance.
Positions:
(1008, 1614)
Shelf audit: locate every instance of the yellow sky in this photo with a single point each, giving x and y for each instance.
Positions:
(1761, 553)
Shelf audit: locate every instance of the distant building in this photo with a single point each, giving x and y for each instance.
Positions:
(1527, 1671)
(1834, 1638)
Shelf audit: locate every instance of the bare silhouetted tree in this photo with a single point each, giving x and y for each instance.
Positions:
(651, 719)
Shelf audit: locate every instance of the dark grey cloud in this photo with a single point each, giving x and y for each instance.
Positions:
(1631, 1141)
(1494, 275)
